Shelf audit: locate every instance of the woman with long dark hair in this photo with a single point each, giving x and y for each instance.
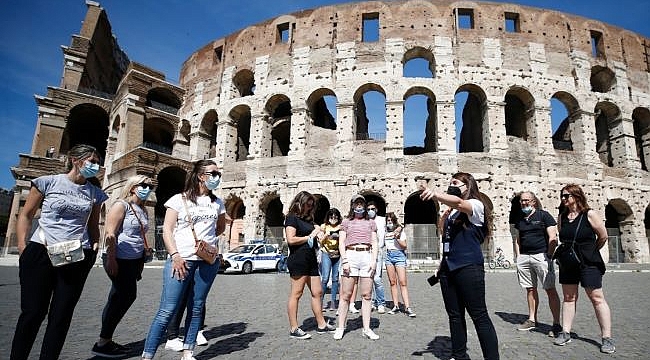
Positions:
(396, 265)
(585, 228)
(194, 212)
(330, 256)
(465, 226)
(303, 236)
(70, 206)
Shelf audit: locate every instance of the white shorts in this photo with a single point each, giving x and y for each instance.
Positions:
(535, 269)
(360, 262)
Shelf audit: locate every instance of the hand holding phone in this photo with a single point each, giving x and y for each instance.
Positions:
(432, 280)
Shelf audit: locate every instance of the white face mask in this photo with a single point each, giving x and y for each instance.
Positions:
(333, 221)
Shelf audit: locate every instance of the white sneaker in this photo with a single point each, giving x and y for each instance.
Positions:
(370, 334)
(200, 339)
(381, 309)
(353, 309)
(174, 344)
(191, 357)
(338, 333)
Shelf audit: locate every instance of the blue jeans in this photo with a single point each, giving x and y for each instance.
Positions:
(464, 289)
(203, 275)
(329, 266)
(378, 294)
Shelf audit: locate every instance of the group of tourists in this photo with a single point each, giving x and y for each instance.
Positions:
(349, 250)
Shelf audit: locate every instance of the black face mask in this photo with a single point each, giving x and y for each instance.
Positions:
(454, 190)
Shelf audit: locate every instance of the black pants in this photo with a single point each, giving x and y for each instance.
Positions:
(464, 289)
(122, 294)
(174, 324)
(47, 290)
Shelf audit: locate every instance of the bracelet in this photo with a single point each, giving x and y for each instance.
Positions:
(172, 255)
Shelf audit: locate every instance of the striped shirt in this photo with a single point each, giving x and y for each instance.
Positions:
(358, 231)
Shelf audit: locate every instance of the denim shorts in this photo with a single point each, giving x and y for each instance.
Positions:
(395, 258)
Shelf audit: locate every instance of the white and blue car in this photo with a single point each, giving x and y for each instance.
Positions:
(250, 257)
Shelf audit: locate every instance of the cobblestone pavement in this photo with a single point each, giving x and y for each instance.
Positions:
(247, 319)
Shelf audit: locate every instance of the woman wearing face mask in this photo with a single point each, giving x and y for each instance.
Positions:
(330, 256)
(465, 226)
(358, 249)
(70, 207)
(126, 225)
(194, 211)
(396, 265)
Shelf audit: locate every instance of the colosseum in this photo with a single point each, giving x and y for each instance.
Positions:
(289, 104)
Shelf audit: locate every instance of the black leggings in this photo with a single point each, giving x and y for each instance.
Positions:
(40, 282)
(464, 289)
(122, 295)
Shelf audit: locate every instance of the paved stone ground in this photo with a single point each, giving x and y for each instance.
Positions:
(247, 319)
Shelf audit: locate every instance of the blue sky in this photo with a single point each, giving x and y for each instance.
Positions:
(162, 34)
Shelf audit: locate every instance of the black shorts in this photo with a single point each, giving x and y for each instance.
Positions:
(303, 264)
(588, 276)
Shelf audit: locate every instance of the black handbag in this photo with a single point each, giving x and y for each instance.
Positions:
(565, 254)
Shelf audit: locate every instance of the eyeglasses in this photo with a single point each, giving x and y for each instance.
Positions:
(372, 208)
(145, 185)
(525, 200)
(213, 173)
(565, 196)
(334, 217)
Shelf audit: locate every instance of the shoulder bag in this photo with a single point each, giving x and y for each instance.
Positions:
(147, 254)
(203, 250)
(66, 252)
(565, 254)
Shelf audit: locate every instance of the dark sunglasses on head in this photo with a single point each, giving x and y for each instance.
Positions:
(145, 185)
(213, 173)
(565, 196)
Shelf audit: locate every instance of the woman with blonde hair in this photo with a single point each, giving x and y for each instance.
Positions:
(126, 251)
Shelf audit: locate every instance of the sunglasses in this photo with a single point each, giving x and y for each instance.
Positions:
(564, 196)
(372, 208)
(145, 185)
(213, 173)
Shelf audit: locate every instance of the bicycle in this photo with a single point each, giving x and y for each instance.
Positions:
(499, 260)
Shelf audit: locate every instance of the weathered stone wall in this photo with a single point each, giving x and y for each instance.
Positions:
(550, 54)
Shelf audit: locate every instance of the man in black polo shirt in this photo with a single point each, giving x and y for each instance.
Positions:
(535, 245)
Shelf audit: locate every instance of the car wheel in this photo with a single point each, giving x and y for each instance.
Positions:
(247, 268)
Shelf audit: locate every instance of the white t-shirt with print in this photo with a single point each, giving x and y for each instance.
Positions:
(204, 215)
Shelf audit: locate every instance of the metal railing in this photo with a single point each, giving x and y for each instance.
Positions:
(163, 107)
(156, 147)
(380, 136)
(93, 92)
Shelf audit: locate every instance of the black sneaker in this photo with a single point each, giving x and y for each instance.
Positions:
(299, 334)
(555, 330)
(328, 328)
(109, 350)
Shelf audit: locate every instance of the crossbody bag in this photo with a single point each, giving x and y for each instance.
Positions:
(147, 254)
(69, 251)
(202, 249)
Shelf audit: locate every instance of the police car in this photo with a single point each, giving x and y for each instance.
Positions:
(247, 258)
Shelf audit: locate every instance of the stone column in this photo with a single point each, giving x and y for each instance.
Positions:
(447, 136)
(345, 133)
(494, 129)
(299, 120)
(260, 137)
(623, 145)
(226, 142)
(394, 145)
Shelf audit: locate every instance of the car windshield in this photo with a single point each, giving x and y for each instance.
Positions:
(243, 249)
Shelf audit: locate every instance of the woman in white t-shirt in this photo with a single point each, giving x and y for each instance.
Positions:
(396, 265)
(196, 207)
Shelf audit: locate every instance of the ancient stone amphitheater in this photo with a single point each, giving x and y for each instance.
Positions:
(285, 105)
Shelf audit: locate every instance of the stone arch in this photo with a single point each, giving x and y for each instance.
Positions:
(278, 109)
(208, 131)
(419, 101)
(606, 116)
(419, 62)
(319, 111)
(115, 128)
(86, 124)
(641, 125)
(473, 132)
(363, 123)
(271, 211)
(236, 210)
(171, 181)
(519, 112)
(158, 134)
(244, 82)
(619, 221)
(421, 222)
(240, 116)
(163, 99)
(563, 136)
(602, 80)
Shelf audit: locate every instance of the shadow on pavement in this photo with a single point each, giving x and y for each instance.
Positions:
(227, 345)
(439, 347)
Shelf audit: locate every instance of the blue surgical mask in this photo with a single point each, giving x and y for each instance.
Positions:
(527, 210)
(372, 213)
(142, 193)
(213, 182)
(358, 212)
(390, 226)
(89, 169)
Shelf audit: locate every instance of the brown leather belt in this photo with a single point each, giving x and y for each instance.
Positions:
(358, 247)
